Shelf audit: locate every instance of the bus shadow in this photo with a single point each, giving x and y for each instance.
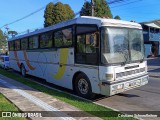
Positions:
(127, 95)
(100, 97)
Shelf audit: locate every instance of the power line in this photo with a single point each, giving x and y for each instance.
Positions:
(26, 16)
(115, 1)
(29, 30)
(126, 3)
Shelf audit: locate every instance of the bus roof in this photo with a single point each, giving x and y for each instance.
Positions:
(84, 20)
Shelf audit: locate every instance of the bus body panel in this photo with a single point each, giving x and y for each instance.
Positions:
(46, 65)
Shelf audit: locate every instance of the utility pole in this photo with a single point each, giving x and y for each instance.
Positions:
(92, 7)
(5, 47)
(7, 28)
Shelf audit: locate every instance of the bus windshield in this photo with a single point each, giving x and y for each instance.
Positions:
(121, 45)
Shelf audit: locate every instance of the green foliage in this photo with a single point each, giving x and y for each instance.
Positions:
(6, 105)
(86, 9)
(3, 41)
(117, 17)
(48, 15)
(56, 13)
(101, 9)
(13, 33)
(70, 13)
(59, 12)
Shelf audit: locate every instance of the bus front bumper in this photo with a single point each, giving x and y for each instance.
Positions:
(121, 86)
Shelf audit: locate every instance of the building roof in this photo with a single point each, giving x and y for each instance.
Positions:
(153, 23)
(158, 22)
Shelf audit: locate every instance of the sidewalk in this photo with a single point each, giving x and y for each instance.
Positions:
(28, 99)
(154, 67)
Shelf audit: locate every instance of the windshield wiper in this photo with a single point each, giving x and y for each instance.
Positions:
(142, 59)
(125, 53)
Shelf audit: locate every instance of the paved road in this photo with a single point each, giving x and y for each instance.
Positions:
(145, 98)
(154, 67)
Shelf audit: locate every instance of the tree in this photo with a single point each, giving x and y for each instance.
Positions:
(101, 9)
(59, 13)
(69, 12)
(12, 33)
(48, 15)
(117, 17)
(3, 41)
(86, 9)
(56, 13)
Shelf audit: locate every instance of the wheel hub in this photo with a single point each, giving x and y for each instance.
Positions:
(83, 86)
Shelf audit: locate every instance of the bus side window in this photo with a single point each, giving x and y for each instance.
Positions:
(81, 44)
(87, 45)
(11, 45)
(24, 43)
(91, 43)
(58, 39)
(17, 45)
(46, 40)
(33, 42)
(63, 38)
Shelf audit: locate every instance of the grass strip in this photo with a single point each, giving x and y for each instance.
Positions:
(6, 105)
(84, 105)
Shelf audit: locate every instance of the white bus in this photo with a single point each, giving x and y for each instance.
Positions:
(89, 55)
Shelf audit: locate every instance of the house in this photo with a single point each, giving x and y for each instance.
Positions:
(151, 34)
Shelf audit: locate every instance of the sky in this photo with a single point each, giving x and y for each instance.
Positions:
(11, 10)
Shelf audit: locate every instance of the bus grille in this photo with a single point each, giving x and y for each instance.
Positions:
(122, 74)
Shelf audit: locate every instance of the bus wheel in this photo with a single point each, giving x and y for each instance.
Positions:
(23, 70)
(83, 87)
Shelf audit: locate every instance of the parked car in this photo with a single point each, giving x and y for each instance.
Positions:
(4, 62)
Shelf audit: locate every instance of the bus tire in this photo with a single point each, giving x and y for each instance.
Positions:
(83, 87)
(23, 71)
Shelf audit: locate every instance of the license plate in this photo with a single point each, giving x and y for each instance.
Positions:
(135, 83)
(120, 87)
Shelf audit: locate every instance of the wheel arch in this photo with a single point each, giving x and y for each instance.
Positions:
(21, 65)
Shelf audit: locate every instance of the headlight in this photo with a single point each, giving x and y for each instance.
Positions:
(109, 76)
(144, 80)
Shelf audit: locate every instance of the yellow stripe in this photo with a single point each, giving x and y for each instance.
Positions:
(63, 60)
(27, 61)
(16, 57)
